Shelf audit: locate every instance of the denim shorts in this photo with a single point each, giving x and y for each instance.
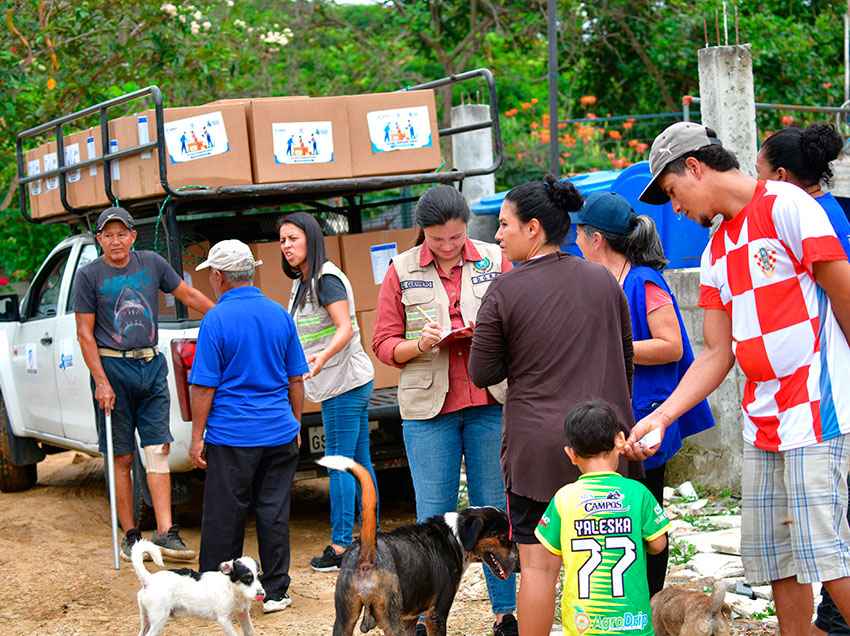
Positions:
(141, 403)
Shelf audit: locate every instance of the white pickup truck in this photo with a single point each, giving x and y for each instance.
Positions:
(46, 402)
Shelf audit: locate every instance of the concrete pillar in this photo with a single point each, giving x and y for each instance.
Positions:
(727, 100)
(475, 150)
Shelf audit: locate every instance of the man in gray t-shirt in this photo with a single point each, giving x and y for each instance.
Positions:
(116, 305)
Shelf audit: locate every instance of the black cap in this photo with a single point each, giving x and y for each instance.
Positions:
(115, 214)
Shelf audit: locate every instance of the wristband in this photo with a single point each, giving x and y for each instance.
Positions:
(420, 349)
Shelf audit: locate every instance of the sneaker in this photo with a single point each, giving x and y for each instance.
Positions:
(508, 626)
(276, 604)
(328, 562)
(172, 545)
(133, 535)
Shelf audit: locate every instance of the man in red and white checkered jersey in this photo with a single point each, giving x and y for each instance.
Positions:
(775, 287)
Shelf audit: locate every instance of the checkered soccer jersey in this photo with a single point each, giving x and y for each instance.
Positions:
(597, 526)
(758, 267)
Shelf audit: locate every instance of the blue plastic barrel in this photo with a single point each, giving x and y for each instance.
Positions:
(683, 240)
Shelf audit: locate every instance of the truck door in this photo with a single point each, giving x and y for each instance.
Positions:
(34, 362)
(72, 374)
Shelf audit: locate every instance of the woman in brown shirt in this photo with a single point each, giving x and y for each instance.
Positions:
(558, 328)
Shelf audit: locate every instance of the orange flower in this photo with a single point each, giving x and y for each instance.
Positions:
(567, 155)
(587, 100)
(787, 120)
(568, 140)
(51, 84)
(611, 156)
(520, 156)
(534, 125)
(533, 100)
(615, 134)
(628, 124)
(827, 85)
(526, 105)
(633, 143)
(562, 125)
(591, 116)
(642, 148)
(545, 119)
(512, 112)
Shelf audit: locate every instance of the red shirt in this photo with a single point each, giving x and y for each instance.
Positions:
(389, 328)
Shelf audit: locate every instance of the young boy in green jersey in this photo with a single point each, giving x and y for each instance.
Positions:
(602, 526)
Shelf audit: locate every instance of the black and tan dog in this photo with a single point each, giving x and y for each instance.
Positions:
(392, 578)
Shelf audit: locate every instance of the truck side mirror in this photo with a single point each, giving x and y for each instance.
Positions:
(9, 308)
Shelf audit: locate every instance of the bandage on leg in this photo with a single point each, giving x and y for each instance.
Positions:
(156, 458)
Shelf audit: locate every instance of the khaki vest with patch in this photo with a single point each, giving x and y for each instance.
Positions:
(350, 367)
(424, 380)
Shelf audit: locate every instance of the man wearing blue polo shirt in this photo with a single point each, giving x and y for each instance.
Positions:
(247, 396)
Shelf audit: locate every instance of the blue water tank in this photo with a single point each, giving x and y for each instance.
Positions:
(683, 240)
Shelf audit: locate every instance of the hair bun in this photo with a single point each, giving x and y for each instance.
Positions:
(820, 144)
(563, 194)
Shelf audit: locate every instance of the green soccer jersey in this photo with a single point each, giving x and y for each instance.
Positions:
(598, 526)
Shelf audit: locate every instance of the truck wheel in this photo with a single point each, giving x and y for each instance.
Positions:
(142, 510)
(12, 478)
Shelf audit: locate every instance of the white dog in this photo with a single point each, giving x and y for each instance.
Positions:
(212, 595)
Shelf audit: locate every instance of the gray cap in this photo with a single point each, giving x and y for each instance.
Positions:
(114, 214)
(230, 256)
(675, 141)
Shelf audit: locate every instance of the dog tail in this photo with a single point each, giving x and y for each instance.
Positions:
(369, 522)
(137, 556)
(719, 597)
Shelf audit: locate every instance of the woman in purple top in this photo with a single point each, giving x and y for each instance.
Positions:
(802, 157)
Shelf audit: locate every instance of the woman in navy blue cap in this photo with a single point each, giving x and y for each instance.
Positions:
(611, 234)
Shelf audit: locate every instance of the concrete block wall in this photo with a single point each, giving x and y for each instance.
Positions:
(712, 458)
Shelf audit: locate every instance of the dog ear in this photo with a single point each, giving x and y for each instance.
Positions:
(469, 531)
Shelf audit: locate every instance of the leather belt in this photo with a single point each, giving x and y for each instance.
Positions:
(145, 353)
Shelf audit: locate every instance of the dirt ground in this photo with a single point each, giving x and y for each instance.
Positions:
(56, 563)
(57, 577)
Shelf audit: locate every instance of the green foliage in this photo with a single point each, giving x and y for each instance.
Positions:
(631, 56)
(681, 552)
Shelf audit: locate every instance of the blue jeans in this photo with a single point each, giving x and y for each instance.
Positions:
(346, 422)
(435, 448)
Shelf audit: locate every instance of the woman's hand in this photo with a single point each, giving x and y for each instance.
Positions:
(431, 335)
(317, 362)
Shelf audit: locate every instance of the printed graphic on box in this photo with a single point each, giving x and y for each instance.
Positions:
(399, 129)
(382, 255)
(72, 158)
(91, 154)
(34, 168)
(196, 137)
(51, 162)
(303, 142)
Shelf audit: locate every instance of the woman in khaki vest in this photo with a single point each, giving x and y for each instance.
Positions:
(428, 291)
(341, 373)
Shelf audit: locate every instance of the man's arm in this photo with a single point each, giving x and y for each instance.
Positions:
(296, 400)
(191, 297)
(103, 393)
(201, 399)
(704, 376)
(834, 278)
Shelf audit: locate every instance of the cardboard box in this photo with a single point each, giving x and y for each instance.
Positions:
(385, 375)
(49, 203)
(33, 165)
(365, 258)
(193, 255)
(299, 139)
(206, 146)
(270, 277)
(393, 133)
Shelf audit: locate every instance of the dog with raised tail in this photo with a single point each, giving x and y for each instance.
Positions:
(215, 596)
(392, 578)
(680, 612)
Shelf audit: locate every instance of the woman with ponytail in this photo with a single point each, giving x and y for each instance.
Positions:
(557, 328)
(802, 157)
(627, 245)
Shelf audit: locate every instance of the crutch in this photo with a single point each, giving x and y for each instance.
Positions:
(110, 471)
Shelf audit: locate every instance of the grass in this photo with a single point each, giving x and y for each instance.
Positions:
(770, 610)
(681, 552)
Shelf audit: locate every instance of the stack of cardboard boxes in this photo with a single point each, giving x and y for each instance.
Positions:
(243, 141)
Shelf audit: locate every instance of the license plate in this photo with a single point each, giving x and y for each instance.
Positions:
(317, 439)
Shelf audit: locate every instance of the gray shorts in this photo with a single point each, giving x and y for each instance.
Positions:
(794, 513)
(141, 403)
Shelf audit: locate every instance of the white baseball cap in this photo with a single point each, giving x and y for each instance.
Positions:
(230, 256)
